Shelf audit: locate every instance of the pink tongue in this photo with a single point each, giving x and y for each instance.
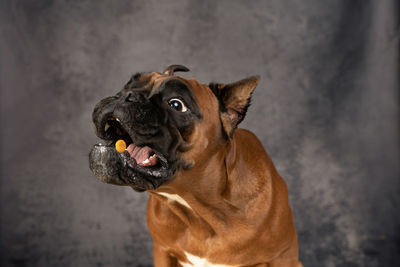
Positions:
(139, 153)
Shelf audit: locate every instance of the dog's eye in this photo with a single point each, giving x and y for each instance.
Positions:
(177, 104)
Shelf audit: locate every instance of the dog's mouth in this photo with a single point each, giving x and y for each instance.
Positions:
(140, 165)
(144, 155)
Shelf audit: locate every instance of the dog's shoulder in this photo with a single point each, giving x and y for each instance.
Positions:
(248, 140)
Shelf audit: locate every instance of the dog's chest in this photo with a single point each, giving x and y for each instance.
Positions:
(176, 198)
(195, 261)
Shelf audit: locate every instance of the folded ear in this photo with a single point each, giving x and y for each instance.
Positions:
(235, 100)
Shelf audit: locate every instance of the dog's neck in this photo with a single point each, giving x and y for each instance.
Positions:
(207, 189)
(206, 173)
(199, 209)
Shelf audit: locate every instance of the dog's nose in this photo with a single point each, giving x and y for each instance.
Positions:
(137, 107)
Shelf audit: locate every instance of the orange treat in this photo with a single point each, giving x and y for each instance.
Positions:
(120, 145)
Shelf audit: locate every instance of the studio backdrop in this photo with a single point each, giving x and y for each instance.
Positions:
(326, 109)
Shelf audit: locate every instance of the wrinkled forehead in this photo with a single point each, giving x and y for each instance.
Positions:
(151, 81)
(155, 82)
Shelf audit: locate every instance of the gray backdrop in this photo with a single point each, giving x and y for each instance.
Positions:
(326, 109)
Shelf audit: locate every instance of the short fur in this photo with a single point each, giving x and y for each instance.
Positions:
(217, 195)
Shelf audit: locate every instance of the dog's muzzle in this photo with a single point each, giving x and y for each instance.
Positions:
(145, 164)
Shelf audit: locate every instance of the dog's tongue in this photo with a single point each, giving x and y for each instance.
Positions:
(142, 155)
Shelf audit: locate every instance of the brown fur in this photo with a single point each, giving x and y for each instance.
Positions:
(240, 213)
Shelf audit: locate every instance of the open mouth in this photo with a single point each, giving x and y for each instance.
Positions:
(139, 165)
(143, 156)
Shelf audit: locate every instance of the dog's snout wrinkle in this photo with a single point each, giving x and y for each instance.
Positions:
(129, 98)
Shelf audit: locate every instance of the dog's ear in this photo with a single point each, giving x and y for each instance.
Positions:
(235, 100)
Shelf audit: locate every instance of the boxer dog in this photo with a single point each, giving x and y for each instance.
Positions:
(216, 198)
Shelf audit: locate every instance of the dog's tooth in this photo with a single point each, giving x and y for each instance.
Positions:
(117, 119)
(146, 161)
(154, 156)
(106, 126)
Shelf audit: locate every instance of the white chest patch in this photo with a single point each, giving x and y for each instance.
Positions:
(199, 262)
(175, 197)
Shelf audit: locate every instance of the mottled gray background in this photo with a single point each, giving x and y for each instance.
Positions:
(327, 110)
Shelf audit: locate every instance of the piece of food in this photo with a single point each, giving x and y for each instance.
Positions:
(120, 146)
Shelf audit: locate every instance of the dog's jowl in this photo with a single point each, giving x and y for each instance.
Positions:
(215, 196)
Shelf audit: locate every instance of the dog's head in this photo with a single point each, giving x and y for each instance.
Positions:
(168, 123)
